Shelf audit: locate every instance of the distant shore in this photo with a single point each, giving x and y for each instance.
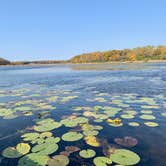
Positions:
(69, 63)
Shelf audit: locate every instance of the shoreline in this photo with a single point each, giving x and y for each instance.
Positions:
(68, 63)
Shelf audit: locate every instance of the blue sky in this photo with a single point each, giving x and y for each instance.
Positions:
(60, 29)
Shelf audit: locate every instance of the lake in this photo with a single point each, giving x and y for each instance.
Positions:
(87, 114)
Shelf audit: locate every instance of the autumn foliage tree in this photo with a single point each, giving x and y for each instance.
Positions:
(139, 53)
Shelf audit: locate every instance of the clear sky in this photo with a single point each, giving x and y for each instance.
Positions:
(60, 29)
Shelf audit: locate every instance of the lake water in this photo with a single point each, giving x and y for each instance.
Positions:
(83, 100)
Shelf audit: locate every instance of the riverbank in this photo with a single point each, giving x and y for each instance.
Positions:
(69, 63)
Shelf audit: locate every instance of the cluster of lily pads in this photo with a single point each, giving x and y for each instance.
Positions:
(42, 144)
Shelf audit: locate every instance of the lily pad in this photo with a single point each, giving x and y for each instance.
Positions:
(30, 136)
(92, 140)
(45, 135)
(89, 153)
(48, 126)
(163, 114)
(45, 148)
(146, 112)
(125, 157)
(72, 136)
(151, 124)
(90, 132)
(72, 149)
(23, 148)
(11, 152)
(102, 161)
(69, 122)
(33, 159)
(58, 160)
(52, 140)
(147, 117)
(127, 116)
(126, 141)
(20, 150)
(134, 124)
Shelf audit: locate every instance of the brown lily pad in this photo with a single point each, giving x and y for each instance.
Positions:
(126, 141)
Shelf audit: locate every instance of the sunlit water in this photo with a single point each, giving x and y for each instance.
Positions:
(90, 86)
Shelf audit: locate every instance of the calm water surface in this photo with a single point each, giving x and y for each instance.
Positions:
(133, 87)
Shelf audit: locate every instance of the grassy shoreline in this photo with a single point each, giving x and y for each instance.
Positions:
(70, 63)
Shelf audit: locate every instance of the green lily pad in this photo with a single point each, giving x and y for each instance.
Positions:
(11, 152)
(58, 160)
(163, 114)
(81, 120)
(72, 136)
(147, 117)
(151, 124)
(146, 112)
(33, 159)
(38, 141)
(125, 157)
(48, 120)
(90, 132)
(45, 135)
(30, 136)
(130, 112)
(89, 153)
(69, 122)
(127, 116)
(20, 150)
(134, 124)
(52, 140)
(48, 126)
(10, 116)
(102, 161)
(98, 120)
(116, 125)
(150, 107)
(45, 148)
(5, 112)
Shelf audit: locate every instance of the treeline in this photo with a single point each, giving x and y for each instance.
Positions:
(136, 54)
(36, 62)
(4, 61)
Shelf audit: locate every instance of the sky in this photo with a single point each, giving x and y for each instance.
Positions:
(61, 29)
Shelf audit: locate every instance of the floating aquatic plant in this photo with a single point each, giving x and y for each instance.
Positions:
(125, 157)
(30, 136)
(151, 124)
(45, 134)
(20, 150)
(163, 114)
(47, 126)
(134, 124)
(72, 136)
(45, 148)
(115, 121)
(102, 161)
(90, 132)
(72, 149)
(88, 153)
(147, 117)
(146, 111)
(23, 148)
(58, 160)
(52, 140)
(127, 141)
(92, 140)
(33, 159)
(127, 116)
